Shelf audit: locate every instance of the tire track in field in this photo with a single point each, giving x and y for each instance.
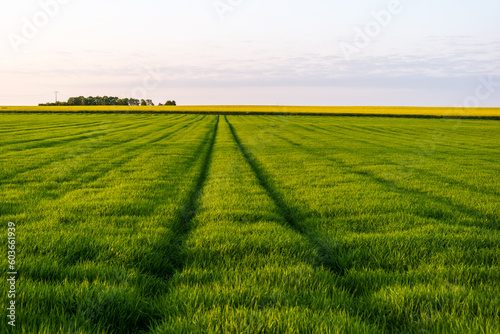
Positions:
(171, 249)
(26, 131)
(437, 137)
(409, 137)
(183, 213)
(393, 187)
(139, 122)
(328, 249)
(263, 179)
(50, 161)
(336, 133)
(292, 216)
(191, 204)
(390, 162)
(125, 158)
(168, 246)
(54, 141)
(26, 137)
(416, 152)
(482, 189)
(128, 154)
(17, 131)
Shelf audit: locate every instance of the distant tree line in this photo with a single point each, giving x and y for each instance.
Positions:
(105, 101)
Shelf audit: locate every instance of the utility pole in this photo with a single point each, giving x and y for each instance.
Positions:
(56, 95)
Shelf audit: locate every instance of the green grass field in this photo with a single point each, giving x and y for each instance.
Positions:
(251, 224)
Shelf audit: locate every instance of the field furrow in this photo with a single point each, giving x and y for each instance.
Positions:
(18, 143)
(251, 224)
(115, 248)
(58, 160)
(246, 270)
(387, 239)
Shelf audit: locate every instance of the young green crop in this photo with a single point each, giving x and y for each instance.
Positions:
(245, 269)
(395, 211)
(96, 222)
(252, 224)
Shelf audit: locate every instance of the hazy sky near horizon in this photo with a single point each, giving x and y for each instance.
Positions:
(286, 52)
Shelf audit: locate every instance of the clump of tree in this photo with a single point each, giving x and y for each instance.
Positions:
(168, 103)
(104, 101)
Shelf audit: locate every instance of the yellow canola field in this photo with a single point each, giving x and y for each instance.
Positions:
(248, 109)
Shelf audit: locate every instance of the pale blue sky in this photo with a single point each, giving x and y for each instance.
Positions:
(287, 52)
